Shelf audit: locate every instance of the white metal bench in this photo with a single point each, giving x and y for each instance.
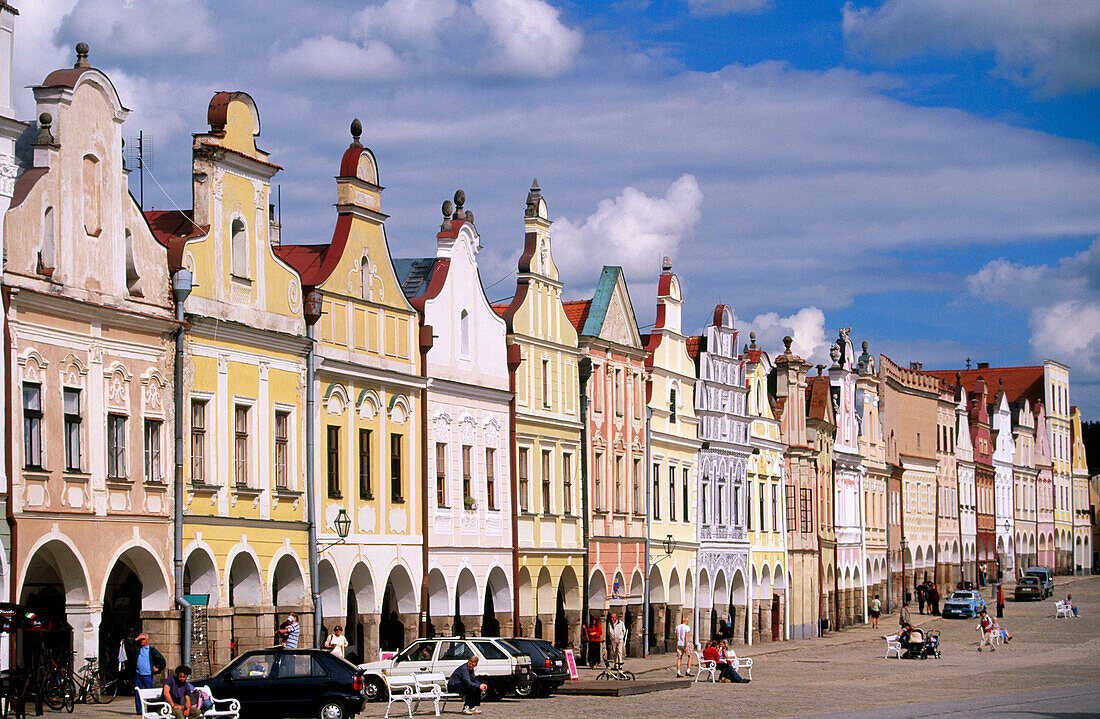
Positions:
(705, 665)
(893, 644)
(738, 664)
(153, 705)
(415, 688)
(222, 708)
(1064, 609)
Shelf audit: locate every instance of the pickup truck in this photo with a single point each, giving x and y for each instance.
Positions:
(497, 668)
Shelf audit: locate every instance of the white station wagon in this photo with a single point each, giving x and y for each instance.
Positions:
(496, 667)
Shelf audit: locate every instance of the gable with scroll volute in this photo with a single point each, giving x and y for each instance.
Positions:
(242, 124)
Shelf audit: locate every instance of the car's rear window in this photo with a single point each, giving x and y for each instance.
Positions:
(512, 648)
(960, 595)
(299, 665)
(1029, 580)
(455, 650)
(490, 650)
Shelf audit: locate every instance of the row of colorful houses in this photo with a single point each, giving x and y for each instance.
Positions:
(209, 428)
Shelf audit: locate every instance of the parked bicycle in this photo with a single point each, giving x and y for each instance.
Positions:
(615, 672)
(56, 682)
(95, 685)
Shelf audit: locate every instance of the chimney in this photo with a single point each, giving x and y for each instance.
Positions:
(983, 365)
(918, 366)
(275, 228)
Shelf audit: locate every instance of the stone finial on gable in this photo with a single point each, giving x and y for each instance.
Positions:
(787, 341)
(356, 132)
(752, 341)
(460, 200)
(448, 208)
(533, 197)
(666, 264)
(45, 136)
(82, 55)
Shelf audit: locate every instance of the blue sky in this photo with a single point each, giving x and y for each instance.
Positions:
(924, 171)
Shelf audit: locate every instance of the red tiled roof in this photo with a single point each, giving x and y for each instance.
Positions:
(307, 259)
(500, 309)
(173, 228)
(1025, 382)
(577, 312)
(238, 153)
(693, 347)
(817, 391)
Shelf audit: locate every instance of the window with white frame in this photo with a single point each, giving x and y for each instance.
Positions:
(240, 444)
(32, 426)
(116, 446)
(567, 483)
(73, 421)
(198, 441)
(154, 469)
(521, 471)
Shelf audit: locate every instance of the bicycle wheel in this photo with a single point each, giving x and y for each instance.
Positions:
(627, 674)
(69, 695)
(602, 675)
(53, 691)
(108, 686)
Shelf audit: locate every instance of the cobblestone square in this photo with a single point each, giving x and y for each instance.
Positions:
(846, 671)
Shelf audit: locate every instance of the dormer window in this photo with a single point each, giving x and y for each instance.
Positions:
(239, 249)
(90, 181)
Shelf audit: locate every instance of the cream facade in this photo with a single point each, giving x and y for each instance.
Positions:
(1056, 389)
(872, 448)
(765, 500)
(673, 451)
(1082, 523)
(89, 360)
(544, 365)
(1004, 453)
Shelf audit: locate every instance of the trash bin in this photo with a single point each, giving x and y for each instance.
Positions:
(824, 626)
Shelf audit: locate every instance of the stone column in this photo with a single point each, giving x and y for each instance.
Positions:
(761, 621)
(253, 628)
(738, 613)
(546, 624)
(219, 633)
(369, 622)
(667, 639)
(504, 619)
(472, 622)
(659, 629)
(527, 625)
(163, 629)
(84, 620)
(411, 623)
(574, 630)
(635, 638)
(443, 625)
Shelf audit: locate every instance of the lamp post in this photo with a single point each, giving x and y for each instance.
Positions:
(904, 545)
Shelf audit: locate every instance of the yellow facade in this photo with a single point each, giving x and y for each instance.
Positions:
(543, 359)
(765, 503)
(368, 440)
(245, 523)
(674, 444)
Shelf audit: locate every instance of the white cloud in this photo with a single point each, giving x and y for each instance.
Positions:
(136, 28)
(633, 230)
(806, 328)
(1063, 303)
(414, 22)
(725, 7)
(529, 37)
(1052, 46)
(331, 58)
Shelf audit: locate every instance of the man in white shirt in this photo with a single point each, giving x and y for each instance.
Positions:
(616, 637)
(337, 642)
(683, 645)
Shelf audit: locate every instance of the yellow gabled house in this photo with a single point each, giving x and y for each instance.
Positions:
(368, 422)
(543, 363)
(245, 521)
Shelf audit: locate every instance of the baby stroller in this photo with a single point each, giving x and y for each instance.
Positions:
(921, 645)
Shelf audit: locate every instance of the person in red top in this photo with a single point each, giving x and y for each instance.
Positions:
(594, 635)
(715, 653)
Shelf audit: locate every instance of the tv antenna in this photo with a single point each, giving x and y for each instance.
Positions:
(140, 154)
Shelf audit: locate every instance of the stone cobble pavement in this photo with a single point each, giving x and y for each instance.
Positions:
(845, 670)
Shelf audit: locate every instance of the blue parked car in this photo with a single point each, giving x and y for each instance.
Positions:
(963, 603)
